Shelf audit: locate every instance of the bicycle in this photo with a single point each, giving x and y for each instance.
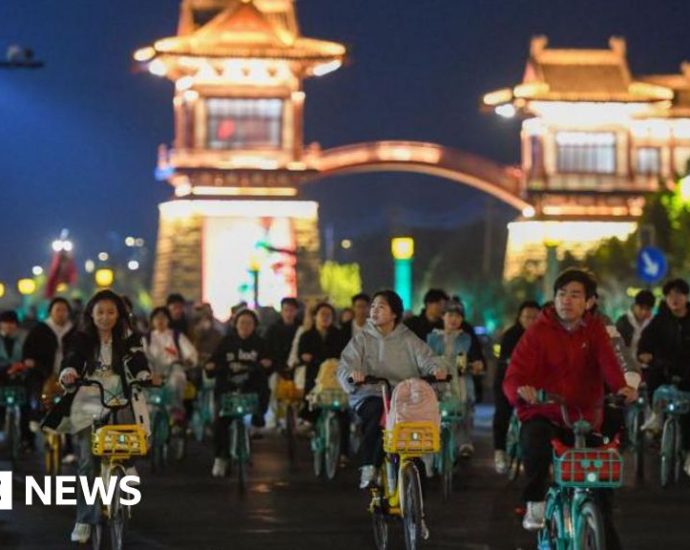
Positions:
(158, 399)
(672, 403)
(450, 409)
(235, 406)
(573, 519)
(289, 399)
(202, 417)
(398, 494)
(13, 398)
(325, 443)
(114, 444)
(513, 449)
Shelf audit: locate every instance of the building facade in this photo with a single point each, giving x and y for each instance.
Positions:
(236, 229)
(595, 139)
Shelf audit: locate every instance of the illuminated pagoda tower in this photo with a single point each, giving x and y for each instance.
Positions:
(595, 140)
(236, 229)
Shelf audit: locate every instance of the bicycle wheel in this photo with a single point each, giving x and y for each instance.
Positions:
(159, 441)
(411, 505)
(290, 433)
(332, 451)
(118, 515)
(447, 444)
(97, 531)
(380, 525)
(318, 443)
(678, 459)
(637, 440)
(668, 451)
(552, 536)
(240, 453)
(178, 442)
(590, 530)
(513, 449)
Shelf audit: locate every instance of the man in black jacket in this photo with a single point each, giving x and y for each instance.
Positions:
(527, 314)
(665, 348)
(360, 306)
(281, 334)
(431, 316)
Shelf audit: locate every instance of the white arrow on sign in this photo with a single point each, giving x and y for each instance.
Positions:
(651, 268)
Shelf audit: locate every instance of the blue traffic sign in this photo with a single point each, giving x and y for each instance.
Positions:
(651, 265)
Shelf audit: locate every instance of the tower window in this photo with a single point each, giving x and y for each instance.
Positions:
(586, 152)
(244, 123)
(648, 161)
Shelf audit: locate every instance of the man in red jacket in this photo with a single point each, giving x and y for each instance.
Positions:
(566, 352)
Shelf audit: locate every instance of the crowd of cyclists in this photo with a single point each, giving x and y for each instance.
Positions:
(566, 347)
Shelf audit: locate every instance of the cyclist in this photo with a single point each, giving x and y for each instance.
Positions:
(169, 352)
(631, 324)
(387, 349)
(527, 314)
(567, 351)
(105, 350)
(176, 305)
(45, 347)
(431, 316)
(360, 313)
(453, 345)
(665, 347)
(13, 371)
(241, 349)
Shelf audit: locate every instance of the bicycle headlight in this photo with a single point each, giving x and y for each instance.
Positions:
(414, 436)
(240, 409)
(671, 407)
(10, 400)
(592, 477)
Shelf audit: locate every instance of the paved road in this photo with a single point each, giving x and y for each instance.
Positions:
(284, 509)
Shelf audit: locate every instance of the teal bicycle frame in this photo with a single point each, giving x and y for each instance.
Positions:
(325, 443)
(451, 410)
(673, 403)
(236, 406)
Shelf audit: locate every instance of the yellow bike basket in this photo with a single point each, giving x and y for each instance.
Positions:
(119, 441)
(412, 438)
(286, 390)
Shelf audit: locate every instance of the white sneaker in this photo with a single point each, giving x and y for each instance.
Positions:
(686, 466)
(501, 462)
(653, 423)
(220, 466)
(81, 533)
(69, 458)
(368, 476)
(424, 531)
(34, 427)
(429, 465)
(534, 517)
(466, 450)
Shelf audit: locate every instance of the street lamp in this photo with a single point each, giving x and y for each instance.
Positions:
(18, 57)
(402, 249)
(254, 269)
(104, 277)
(2, 290)
(26, 287)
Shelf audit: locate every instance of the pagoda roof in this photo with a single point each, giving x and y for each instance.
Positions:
(241, 29)
(680, 84)
(581, 75)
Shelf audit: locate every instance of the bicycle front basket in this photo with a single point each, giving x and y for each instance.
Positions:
(286, 390)
(119, 440)
(671, 400)
(412, 438)
(450, 408)
(331, 399)
(589, 468)
(12, 395)
(239, 404)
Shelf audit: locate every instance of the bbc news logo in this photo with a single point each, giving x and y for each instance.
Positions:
(65, 493)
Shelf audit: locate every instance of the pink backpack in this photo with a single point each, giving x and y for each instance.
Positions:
(413, 400)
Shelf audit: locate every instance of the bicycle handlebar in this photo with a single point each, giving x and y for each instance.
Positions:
(101, 390)
(372, 380)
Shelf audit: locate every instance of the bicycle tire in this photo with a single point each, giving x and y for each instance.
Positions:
(513, 450)
(318, 445)
(590, 533)
(159, 443)
(410, 488)
(380, 527)
(240, 454)
(332, 447)
(668, 440)
(290, 433)
(552, 536)
(178, 442)
(117, 522)
(97, 530)
(678, 458)
(447, 445)
(637, 437)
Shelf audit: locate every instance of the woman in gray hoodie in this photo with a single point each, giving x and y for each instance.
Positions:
(387, 349)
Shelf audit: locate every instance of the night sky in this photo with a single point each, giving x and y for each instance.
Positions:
(79, 137)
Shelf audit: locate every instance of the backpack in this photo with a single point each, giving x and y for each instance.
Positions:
(413, 400)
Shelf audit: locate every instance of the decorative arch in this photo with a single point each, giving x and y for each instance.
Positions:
(425, 158)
